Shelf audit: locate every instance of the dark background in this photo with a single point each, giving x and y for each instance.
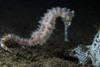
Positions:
(22, 15)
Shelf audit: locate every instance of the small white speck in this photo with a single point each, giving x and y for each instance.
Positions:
(9, 35)
(3, 39)
(2, 45)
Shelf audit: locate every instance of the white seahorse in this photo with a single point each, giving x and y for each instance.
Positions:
(47, 24)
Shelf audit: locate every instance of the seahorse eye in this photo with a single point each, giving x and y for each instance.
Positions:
(69, 23)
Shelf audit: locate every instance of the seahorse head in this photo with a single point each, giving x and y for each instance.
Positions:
(67, 16)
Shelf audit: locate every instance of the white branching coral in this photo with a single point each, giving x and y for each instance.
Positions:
(93, 52)
(80, 54)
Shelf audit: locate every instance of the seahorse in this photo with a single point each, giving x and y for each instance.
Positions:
(47, 25)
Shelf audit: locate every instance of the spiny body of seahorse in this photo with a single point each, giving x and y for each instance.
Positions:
(47, 24)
